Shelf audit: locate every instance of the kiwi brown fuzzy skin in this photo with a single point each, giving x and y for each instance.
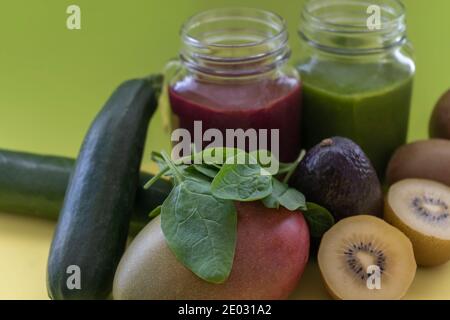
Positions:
(428, 159)
(428, 251)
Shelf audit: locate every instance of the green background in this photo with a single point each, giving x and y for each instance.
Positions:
(53, 80)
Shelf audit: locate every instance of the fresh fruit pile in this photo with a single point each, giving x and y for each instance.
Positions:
(237, 232)
(361, 257)
(230, 229)
(417, 207)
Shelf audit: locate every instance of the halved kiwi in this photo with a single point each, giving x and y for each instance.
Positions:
(421, 209)
(354, 247)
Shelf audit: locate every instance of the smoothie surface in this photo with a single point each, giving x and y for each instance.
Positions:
(368, 103)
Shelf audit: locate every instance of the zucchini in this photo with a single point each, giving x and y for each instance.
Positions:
(35, 185)
(93, 225)
(31, 184)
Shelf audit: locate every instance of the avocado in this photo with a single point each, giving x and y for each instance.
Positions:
(337, 174)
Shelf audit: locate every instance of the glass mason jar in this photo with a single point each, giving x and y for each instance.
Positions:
(357, 71)
(232, 73)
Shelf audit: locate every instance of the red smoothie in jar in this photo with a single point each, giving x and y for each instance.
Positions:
(265, 104)
(234, 74)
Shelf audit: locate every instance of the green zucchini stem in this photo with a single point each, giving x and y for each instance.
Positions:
(155, 178)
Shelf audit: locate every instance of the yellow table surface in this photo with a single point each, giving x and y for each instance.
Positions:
(25, 243)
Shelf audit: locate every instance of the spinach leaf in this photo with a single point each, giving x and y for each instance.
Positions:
(200, 230)
(219, 156)
(191, 173)
(319, 219)
(159, 160)
(206, 169)
(241, 182)
(272, 200)
(293, 200)
(287, 197)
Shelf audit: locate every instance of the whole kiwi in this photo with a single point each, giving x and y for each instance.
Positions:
(440, 119)
(427, 159)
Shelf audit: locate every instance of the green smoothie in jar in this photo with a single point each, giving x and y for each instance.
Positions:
(357, 77)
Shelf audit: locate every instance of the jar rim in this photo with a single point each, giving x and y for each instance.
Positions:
(348, 27)
(398, 11)
(234, 41)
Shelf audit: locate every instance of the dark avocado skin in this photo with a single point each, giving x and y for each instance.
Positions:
(93, 225)
(35, 184)
(338, 175)
(439, 126)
